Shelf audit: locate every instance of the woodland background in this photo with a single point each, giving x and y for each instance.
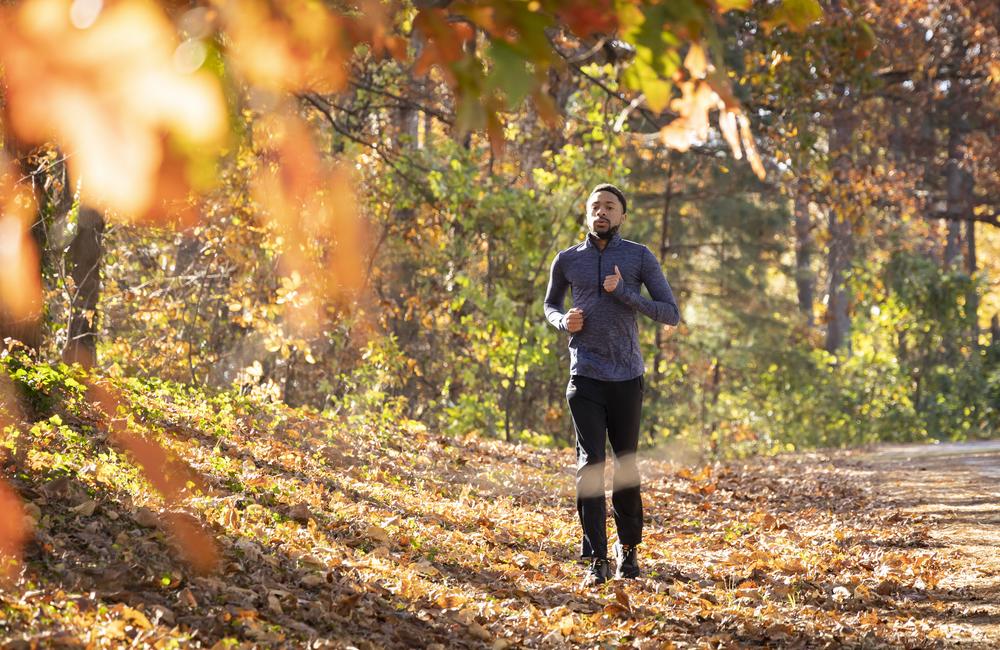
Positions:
(275, 371)
(353, 208)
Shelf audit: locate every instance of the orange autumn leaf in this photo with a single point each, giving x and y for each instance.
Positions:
(699, 98)
(693, 106)
(168, 476)
(194, 542)
(750, 146)
(445, 40)
(152, 459)
(296, 45)
(587, 17)
(106, 88)
(20, 281)
(312, 204)
(372, 25)
(13, 531)
(730, 131)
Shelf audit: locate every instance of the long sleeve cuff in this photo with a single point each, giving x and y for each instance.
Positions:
(555, 318)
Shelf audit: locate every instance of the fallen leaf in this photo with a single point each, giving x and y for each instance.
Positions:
(86, 508)
(347, 603)
(300, 512)
(186, 598)
(623, 599)
(313, 580)
(376, 533)
(479, 631)
(145, 517)
(161, 613)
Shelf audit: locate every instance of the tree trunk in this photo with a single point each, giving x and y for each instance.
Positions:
(972, 299)
(841, 246)
(654, 386)
(952, 244)
(805, 279)
(409, 114)
(957, 201)
(926, 151)
(959, 181)
(84, 262)
(668, 195)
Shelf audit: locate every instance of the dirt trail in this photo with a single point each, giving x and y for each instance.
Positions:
(955, 488)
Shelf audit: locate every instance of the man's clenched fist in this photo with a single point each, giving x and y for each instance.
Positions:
(611, 281)
(573, 320)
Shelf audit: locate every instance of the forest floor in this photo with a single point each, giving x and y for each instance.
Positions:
(342, 532)
(955, 488)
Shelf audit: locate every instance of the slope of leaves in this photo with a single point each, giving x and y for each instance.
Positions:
(371, 534)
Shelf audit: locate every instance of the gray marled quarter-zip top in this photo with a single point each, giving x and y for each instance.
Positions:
(607, 347)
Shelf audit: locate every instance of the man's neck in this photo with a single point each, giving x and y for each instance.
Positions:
(597, 241)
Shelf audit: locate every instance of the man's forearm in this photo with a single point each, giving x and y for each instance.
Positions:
(662, 311)
(555, 296)
(555, 316)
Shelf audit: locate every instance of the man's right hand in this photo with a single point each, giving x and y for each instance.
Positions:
(573, 320)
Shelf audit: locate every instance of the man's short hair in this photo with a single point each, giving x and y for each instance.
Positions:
(608, 187)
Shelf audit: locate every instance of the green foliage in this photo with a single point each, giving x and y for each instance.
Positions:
(42, 385)
(926, 311)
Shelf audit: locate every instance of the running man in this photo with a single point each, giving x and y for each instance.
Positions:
(605, 274)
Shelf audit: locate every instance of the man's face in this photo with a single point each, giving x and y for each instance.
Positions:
(604, 212)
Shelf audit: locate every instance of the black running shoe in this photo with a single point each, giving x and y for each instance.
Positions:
(598, 573)
(628, 563)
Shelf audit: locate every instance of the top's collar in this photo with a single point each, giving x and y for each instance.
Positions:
(589, 241)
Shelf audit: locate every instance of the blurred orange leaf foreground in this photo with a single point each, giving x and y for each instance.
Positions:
(312, 203)
(193, 541)
(13, 531)
(104, 86)
(168, 476)
(20, 281)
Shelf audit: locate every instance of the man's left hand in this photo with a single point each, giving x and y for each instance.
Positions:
(611, 281)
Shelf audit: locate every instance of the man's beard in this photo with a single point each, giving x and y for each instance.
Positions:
(607, 234)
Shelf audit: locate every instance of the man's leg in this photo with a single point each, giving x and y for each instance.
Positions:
(624, 412)
(588, 406)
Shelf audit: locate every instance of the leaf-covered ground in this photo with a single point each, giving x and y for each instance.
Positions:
(955, 488)
(342, 533)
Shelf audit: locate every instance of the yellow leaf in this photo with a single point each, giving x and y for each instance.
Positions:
(696, 62)
(133, 616)
(729, 5)
(797, 14)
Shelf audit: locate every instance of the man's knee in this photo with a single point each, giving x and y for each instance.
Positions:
(588, 459)
(626, 472)
(590, 478)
